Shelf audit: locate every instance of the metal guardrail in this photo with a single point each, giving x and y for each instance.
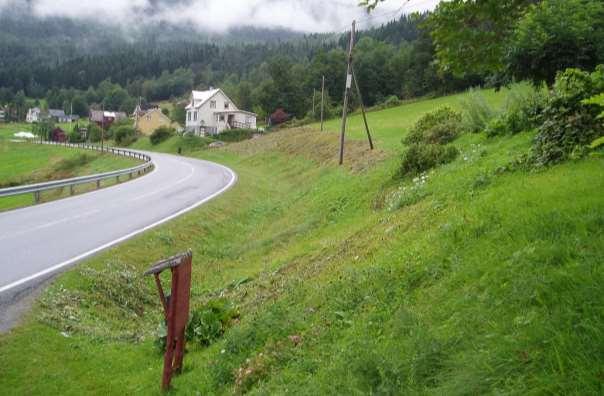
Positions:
(37, 188)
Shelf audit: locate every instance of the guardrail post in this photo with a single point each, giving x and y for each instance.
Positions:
(130, 174)
(117, 178)
(71, 190)
(37, 197)
(98, 184)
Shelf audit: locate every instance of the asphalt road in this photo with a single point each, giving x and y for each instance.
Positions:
(39, 241)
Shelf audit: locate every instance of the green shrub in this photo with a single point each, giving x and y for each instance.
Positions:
(569, 123)
(597, 100)
(75, 136)
(523, 112)
(161, 134)
(94, 132)
(206, 323)
(392, 101)
(124, 135)
(209, 322)
(438, 127)
(478, 113)
(237, 135)
(422, 157)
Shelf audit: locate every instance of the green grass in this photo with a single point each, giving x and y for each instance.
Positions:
(481, 282)
(26, 163)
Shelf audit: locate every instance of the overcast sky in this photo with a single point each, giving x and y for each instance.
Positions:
(220, 15)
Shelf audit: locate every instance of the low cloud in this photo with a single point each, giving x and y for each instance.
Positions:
(222, 15)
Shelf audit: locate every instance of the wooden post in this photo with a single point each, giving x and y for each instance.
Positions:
(176, 311)
(347, 92)
(322, 101)
(356, 84)
(313, 102)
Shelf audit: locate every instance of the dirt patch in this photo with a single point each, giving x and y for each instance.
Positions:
(319, 147)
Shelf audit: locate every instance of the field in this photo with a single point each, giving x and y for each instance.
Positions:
(347, 280)
(26, 163)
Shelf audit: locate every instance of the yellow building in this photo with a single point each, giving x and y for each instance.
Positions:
(149, 121)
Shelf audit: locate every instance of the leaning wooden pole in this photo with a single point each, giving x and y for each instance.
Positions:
(347, 92)
(322, 101)
(356, 84)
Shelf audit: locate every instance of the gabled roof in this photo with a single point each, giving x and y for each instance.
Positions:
(156, 111)
(201, 97)
(56, 113)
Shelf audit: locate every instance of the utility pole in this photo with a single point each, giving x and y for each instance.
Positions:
(102, 126)
(313, 102)
(322, 101)
(347, 92)
(356, 84)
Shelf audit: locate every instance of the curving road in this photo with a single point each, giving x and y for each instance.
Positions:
(39, 241)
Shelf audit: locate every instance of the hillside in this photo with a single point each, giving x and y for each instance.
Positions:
(348, 280)
(25, 163)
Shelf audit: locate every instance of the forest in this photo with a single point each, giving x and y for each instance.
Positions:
(81, 66)
(396, 59)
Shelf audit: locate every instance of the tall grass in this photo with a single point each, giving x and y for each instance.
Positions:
(477, 111)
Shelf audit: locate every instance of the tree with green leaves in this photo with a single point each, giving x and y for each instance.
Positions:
(555, 35)
(472, 36)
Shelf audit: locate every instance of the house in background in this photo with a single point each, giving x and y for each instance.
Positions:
(33, 115)
(58, 115)
(106, 118)
(212, 112)
(146, 122)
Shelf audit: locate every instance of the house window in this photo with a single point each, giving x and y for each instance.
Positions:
(148, 118)
(226, 105)
(188, 115)
(221, 118)
(212, 104)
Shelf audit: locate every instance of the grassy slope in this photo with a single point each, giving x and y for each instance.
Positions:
(488, 283)
(23, 163)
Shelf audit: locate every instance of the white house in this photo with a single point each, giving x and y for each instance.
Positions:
(33, 115)
(212, 112)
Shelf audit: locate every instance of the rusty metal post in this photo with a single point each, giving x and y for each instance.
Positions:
(176, 310)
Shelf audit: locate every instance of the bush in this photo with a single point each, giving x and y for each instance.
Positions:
(478, 112)
(161, 134)
(209, 322)
(94, 133)
(392, 101)
(569, 124)
(237, 135)
(421, 157)
(206, 324)
(439, 127)
(124, 135)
